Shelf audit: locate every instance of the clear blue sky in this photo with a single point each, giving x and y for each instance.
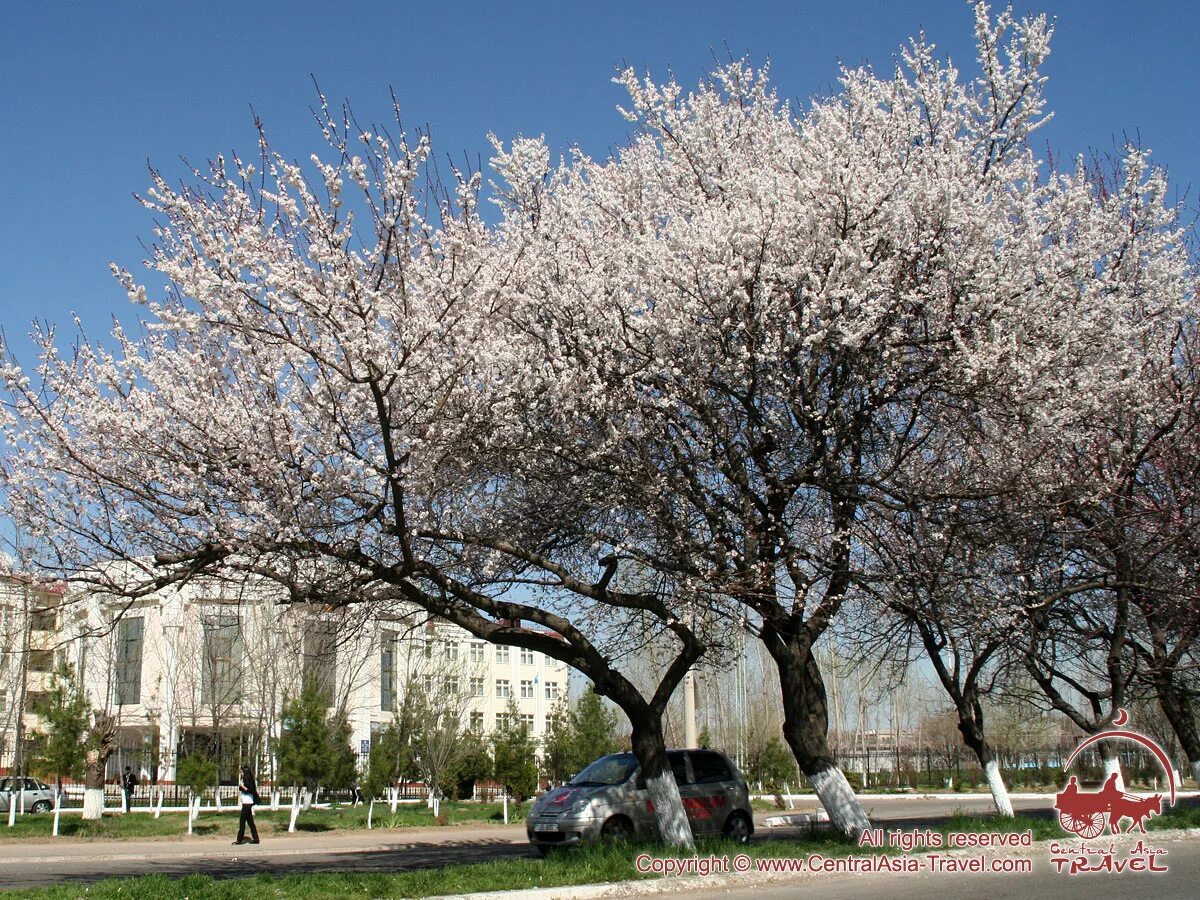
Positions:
(92, 91)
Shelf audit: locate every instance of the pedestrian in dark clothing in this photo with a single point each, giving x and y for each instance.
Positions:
(248, 795)
(128, 782)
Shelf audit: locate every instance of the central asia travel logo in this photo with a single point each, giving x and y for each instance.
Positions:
(1087, 813)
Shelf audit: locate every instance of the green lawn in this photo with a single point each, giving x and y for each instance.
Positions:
(214, 824)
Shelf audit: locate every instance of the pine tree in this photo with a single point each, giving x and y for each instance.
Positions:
(595, 730)
(313, 747)
(513, 753)
(64, 714)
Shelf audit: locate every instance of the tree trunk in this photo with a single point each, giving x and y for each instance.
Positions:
(1112, 763)
(970, 725)
(650, 748)
(1177, 707)
(806, 729)
(95, 762)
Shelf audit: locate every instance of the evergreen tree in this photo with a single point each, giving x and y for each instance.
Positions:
(558, 748)
(313, 747)
(513, 755)
(595, 729)
(64, 714)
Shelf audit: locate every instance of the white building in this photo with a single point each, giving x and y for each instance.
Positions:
(208, 664)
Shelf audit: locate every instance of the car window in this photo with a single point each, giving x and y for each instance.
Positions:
(31, 784)
(678, 767)
(614, 769)
(710, 767)
(4, 784)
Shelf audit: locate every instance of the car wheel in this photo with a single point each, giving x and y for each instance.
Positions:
(618, 828)
(738, 827)
(41, 806)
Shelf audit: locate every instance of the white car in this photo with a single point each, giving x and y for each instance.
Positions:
(37, 796)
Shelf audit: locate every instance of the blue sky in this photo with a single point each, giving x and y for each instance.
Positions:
(92, 91)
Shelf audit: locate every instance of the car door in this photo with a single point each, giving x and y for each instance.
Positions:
(713, 788)
(697, 815)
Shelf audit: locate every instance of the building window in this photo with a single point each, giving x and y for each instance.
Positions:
(501, 654)
(130, 634)
(527, 722)
(452, 650)
(427, 650)
(526, 690)
(476, 687)
(501, 721)
(320, 659)
(477, 721)
(427, 683)
(44, 620)
(476, 651)
(503, 688)
(526, 657)
(450, 686)
(41, 660)
(387, 671)
(551, 690)
(221, 664)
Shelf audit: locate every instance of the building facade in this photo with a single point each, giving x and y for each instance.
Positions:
(207, 666)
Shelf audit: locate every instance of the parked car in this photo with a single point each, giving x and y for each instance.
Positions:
(37, 797)
(608, 799)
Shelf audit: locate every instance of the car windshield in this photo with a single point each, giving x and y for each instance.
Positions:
(614, 769)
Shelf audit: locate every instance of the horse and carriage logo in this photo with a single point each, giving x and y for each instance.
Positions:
(1086, 813)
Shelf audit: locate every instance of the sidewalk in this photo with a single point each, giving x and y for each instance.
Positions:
(50, 849)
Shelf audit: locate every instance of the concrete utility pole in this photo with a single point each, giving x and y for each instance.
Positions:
(689, 708)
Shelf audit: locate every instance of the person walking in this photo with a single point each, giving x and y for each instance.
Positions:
(128, 783)
(248, 795)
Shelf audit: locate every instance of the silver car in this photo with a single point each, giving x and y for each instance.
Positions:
(608, 799)
(37, 796)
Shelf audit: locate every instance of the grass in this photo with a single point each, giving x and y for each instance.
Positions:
(583, 865)
(224, 824)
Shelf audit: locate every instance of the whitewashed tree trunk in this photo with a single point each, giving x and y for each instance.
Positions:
(295, 811)
(274, 799)
(1113, 764)
(12, 809)
(673, 825)
(834, 791)
(995, 782)
(371, 814)
(506, 807)
(1196, 771)
(93, 802)
(57, 810)
(394, 795)
(159, 805)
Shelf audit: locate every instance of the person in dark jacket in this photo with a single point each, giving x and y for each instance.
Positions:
(128, 783)
(248, 795)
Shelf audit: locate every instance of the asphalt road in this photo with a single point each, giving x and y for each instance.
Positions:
(27, 864)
